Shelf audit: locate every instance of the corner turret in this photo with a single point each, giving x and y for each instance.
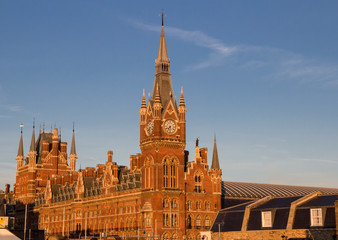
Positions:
(73, 155)
(20, 157)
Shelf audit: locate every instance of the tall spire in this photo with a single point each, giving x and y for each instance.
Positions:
(215, 161)
(73, 149)
(162, 49)
(32, 147)
(162, 73)
(20, 150)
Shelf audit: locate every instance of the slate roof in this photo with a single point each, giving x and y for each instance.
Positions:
(260, 190)
(230, 219)
(321, 201)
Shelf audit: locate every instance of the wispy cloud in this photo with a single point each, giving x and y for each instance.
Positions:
(277, 64)
(7, 107)
(219, 50)
(314, 160)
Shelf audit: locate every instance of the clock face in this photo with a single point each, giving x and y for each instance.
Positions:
(150, 127)
(170, 126)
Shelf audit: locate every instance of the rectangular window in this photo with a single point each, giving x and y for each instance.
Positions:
(316, 217)
(266, 219)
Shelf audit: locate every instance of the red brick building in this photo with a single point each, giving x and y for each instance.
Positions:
(161, 195)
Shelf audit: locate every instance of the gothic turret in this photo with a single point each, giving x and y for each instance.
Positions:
(215, 161)
(32, 150)
(73, 155)
(143, 109)
(215, 171)
(20, 157)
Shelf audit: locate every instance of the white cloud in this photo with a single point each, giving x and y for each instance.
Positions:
(316, 161)
(277, 64)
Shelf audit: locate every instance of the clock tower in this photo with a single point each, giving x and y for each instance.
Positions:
(162, 143)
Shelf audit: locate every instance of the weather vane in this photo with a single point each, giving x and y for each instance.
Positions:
(162, 15)
(21, 126)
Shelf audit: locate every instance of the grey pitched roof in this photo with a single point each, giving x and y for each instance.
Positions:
(260, 190)
(43, 136)
(230, 219)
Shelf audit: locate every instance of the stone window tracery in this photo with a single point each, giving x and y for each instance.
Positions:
(170, 173)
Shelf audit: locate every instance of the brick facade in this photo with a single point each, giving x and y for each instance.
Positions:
(162, 194)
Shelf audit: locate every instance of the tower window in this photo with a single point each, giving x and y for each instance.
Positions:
(170, 173)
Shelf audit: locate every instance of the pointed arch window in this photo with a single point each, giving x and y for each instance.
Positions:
(189, 222)
(147, 171)
(207, 222)
(170, 173)
(198, 182)
(198, 222)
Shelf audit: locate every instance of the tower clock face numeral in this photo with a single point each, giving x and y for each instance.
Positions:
(170, 126)
(150, 127)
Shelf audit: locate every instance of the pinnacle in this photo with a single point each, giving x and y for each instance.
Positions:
(32, 147)
(182, 102)
(157, 95)
(215, 161)
(20, 150)
(73, 148)
(144, 103)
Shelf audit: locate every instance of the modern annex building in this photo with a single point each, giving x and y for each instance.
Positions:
(162, 193)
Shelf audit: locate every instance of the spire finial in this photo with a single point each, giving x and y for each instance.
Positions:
(33, 122)
(21, 127)
(162, 15)
(73, 127)
(43, 127)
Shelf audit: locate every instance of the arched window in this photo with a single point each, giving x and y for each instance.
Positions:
(170, 173)
(165, 203)
(198, 222)
(207, 206)
(207, 222)
(147, 172)
(189, 222)
(189, 205)
(198, 205)
(165, 236)
(198, 182)
(165, 220)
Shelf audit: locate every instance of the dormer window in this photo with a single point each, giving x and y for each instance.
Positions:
(266, 219)
(316, 217)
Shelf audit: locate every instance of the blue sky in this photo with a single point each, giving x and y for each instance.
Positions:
(262, 75)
